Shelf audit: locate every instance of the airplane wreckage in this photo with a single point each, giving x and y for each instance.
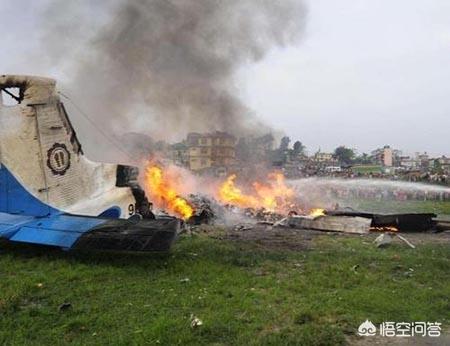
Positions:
(51, 194)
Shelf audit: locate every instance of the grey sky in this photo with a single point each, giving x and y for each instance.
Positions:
(367, 73)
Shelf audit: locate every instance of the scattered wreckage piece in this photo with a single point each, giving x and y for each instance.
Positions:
(280, 222)
(345, 224)
(243, 227)
(442, 225)
(385, 239)
(362, 222)
(411, 245)
(411, 222)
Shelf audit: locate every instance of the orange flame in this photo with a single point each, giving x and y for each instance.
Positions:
(163, 192)
(229, 193)
(384, 229)
(273, 195)
(316, 212)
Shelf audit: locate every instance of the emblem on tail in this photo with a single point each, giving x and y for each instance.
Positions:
(58, 159)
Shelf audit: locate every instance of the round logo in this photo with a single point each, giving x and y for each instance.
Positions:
(58, 159)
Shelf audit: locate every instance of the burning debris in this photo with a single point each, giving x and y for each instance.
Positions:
(203, 210)
(163, 189)
(272, 195)
(272, 203)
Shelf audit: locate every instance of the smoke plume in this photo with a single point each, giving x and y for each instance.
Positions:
(167, 67)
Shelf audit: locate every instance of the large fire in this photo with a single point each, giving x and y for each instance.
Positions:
(273, 194)
(164, 192)
(166, 187)
(230, 193)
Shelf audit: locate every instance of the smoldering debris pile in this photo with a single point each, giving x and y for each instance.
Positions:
(210, 211)
(206, 209)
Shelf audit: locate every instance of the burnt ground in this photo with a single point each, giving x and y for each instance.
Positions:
(285, 238)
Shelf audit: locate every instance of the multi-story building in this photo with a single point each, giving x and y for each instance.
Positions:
(209, 150)
(179, 154)
(444, 163)
(407, 162)
(443, 160)
(383, 156)
(423, 161)
(323, 157)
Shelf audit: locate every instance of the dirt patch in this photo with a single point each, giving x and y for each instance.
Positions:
(280, 238)
(275, 238)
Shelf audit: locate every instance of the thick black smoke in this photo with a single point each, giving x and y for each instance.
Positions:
(168, 67)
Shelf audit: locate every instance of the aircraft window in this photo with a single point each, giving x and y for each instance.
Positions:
(11, 96)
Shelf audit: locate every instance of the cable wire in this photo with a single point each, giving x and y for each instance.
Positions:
(110, 139)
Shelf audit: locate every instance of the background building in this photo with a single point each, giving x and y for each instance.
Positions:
(383, 156)
(323, 157)
(179, 154)
(423, 161)
(210, 150)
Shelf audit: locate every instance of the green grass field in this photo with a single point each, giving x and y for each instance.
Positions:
(366, 169)
(243, 294)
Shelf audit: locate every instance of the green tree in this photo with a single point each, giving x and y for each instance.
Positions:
(344, 155)
(284, 143)
(437, 167)
(363, 159)
(299, 148)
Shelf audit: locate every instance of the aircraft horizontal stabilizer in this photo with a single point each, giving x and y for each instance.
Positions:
(81, 232)
(125, 235)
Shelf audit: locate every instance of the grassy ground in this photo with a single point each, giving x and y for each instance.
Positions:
(366, 169)
(243, 294)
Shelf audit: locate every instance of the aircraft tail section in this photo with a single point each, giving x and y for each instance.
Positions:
(51, 194)
(40, 149)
